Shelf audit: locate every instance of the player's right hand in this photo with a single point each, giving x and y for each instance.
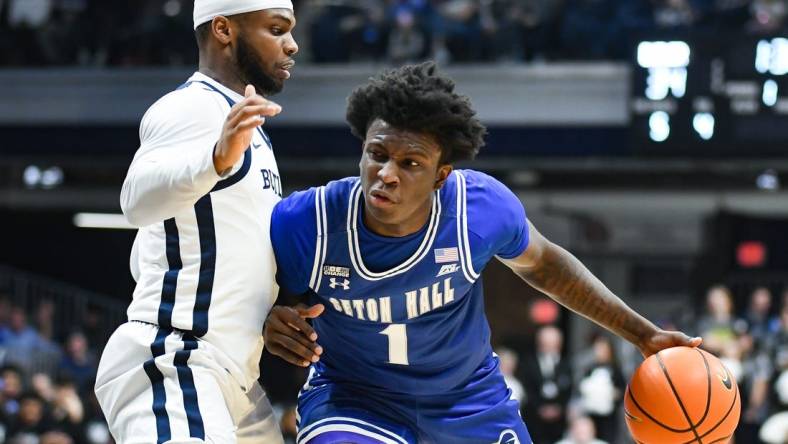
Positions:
(289, 336)
(239, 126)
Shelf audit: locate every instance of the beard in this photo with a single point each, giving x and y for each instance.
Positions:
(251, 70)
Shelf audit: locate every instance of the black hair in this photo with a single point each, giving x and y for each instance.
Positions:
(201, 33)
(419, 98)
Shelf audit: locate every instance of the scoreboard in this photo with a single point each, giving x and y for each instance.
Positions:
(712, 96)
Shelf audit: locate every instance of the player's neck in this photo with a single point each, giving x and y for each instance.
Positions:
(412, 223)
(223, 75)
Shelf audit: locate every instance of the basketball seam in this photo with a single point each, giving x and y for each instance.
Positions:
(678, 398)
(723, 439)
(719, 423)
(708, 391)
(653, 419)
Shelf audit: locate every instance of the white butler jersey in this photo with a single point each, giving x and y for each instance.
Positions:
(202, 257)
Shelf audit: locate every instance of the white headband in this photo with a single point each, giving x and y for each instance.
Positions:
(206, 10)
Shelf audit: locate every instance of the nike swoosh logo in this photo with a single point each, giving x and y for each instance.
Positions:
(726, 380)
(632, 417)
(256, 145)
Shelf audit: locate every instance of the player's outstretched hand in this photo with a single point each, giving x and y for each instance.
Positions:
(239, 126)
(289, 336)
(663, 339)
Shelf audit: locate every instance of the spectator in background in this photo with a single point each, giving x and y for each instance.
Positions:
(590, 28)
(13, 385)
(581, 431)
(329, 40)
(508, 361)
(20, 334)
(602, 388)
(31, 422)
(527, 29)
(755, 370)
(718, 326)
(760, 323)
(407, 42)
(458, 32)
(775, 428)
(21, 340)
(368, 31)
(79, 362)
(45, 320)
(63, 406)
(25, 346)
(68, 413)
(548, 385)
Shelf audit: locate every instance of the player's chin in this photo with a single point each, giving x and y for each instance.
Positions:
(385, 213)
(277, 85)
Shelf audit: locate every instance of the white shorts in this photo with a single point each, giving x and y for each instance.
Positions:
(156, 386)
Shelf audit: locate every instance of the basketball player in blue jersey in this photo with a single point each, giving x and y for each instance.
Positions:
(201, 189)
(395, 257)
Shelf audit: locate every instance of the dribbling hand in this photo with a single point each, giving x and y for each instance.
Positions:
(662, 339)
(239, 126)
(289, 336)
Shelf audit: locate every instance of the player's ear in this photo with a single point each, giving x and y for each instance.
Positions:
(443, 174)
(220, 28)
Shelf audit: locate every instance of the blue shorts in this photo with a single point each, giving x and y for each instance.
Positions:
(480, 412)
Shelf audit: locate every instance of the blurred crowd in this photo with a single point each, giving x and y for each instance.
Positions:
(158, 32)
(753, 345)
(47, 372)
(578, 399)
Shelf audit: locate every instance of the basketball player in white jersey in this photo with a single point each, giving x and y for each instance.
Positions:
(201, 189)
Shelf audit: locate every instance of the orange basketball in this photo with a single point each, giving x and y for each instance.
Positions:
(682, 395)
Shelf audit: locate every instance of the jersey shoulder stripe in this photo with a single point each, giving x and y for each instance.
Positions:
(466, 259)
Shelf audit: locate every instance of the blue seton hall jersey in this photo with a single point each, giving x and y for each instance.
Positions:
(406, 314)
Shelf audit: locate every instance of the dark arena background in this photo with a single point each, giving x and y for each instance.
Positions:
(648, 137)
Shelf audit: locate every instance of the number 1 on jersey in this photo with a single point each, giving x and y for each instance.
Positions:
(398, 343)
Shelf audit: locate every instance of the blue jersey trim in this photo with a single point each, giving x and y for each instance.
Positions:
(170, 281)
(186, 381)
(157, 384)
(322, 238)
(311, 433)
(356, 257)
(169, 286)
(265, 137)
(235, 178)
(207, 232)
(240, 174)
(466, 259)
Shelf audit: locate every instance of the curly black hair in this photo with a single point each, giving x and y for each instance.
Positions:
(419, 98)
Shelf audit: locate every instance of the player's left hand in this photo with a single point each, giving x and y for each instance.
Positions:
(289, 336)
(663, 339)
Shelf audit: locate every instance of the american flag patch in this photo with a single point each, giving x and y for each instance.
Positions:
(444, 255)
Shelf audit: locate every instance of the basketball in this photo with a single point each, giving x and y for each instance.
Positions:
(682, 395)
